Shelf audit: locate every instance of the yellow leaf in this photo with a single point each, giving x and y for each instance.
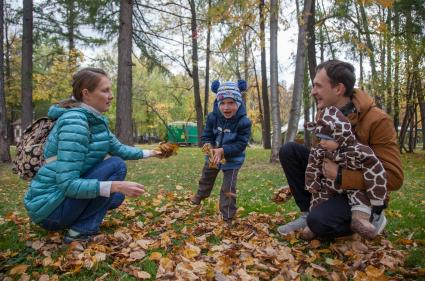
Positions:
(155, 256)
(47, 261)
(314, 244)
(19, 269)
(374, 272)
(191, 251)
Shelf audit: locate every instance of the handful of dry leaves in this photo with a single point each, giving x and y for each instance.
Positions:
(282, 195)
(208, 150)
(167, 149)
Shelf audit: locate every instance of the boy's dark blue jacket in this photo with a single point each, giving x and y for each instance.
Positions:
(231, 134)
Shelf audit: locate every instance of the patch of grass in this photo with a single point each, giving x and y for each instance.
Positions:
(416, 258)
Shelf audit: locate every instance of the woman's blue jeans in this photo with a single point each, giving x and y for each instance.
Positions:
(86, 215)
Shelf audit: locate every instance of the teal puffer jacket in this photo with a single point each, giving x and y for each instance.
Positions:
(80, 138)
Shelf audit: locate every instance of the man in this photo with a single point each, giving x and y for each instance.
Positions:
(333, 85)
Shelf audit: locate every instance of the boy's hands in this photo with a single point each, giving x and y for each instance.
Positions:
(217, 155)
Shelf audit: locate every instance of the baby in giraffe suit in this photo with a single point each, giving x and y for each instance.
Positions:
(339, 144)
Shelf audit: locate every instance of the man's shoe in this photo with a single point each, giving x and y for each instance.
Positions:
(360, 224)
(72, 236)
(379, 222)
(295, 225)
(196, 199)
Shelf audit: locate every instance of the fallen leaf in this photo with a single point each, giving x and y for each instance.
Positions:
(374, 272)
(191, 251)
(19, 269)
(137, 255)
(44, 277)
(155, 256)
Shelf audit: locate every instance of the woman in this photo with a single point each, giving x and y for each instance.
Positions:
(79, 183)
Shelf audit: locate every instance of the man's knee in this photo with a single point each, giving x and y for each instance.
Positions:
(317, 223)
(287, 151)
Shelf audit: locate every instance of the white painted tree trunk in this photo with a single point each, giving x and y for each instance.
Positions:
(274, 93)
(294, 114)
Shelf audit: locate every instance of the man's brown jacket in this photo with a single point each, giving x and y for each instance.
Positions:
(375, 128)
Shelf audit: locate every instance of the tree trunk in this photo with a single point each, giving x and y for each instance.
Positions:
(245, 62)
(389, 79)
(397, 46)
(421, 102)
(27, 106)
(207, 63)
(70, 22)
(382, 47)
(274, 82)
(312, 64)
(306, 106)
(376, 95)
(124, 124)
(311, 41)
(294, 114)
(4, 141)
(195, 74)
(260, 106)
(408, 116)
(266, 106)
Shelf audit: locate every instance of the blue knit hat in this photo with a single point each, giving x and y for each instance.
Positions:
(229, 90)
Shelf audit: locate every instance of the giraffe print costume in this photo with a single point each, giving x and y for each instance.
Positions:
(351, 155)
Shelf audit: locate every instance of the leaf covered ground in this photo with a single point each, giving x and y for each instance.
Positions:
(161, 236)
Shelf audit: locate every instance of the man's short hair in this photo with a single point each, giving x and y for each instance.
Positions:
(340, 72)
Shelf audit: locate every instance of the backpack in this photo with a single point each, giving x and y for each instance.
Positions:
(30, 150)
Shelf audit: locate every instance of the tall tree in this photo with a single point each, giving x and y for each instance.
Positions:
(4, 140)
(27, 49)
(311, 41)
(371, 52)
(274, 92)
(207, 61)
(294, 115)
(124, 125)
(195, 73)
(312, 64)
(264, 91)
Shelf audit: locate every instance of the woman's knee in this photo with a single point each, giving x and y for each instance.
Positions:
(120, 166)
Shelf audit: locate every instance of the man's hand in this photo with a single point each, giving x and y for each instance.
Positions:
(329, 169)
(217, 155)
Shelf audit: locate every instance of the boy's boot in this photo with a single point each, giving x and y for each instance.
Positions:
(196, 199)
(360, 224)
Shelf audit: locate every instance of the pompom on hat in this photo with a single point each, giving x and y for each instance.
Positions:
(229, 89)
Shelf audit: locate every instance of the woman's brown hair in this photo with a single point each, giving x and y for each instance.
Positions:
(86, 78)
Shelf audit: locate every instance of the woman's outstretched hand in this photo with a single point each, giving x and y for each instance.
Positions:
(128, 188)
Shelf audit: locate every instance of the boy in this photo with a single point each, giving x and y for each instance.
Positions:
(227, 131)
(338, 143)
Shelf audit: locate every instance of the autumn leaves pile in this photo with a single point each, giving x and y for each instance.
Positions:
(187, 243)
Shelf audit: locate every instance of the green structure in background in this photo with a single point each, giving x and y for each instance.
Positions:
(182, 133)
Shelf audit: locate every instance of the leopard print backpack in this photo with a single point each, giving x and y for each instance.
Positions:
(29, 151)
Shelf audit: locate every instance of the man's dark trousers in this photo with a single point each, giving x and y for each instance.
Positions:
(331, 218)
